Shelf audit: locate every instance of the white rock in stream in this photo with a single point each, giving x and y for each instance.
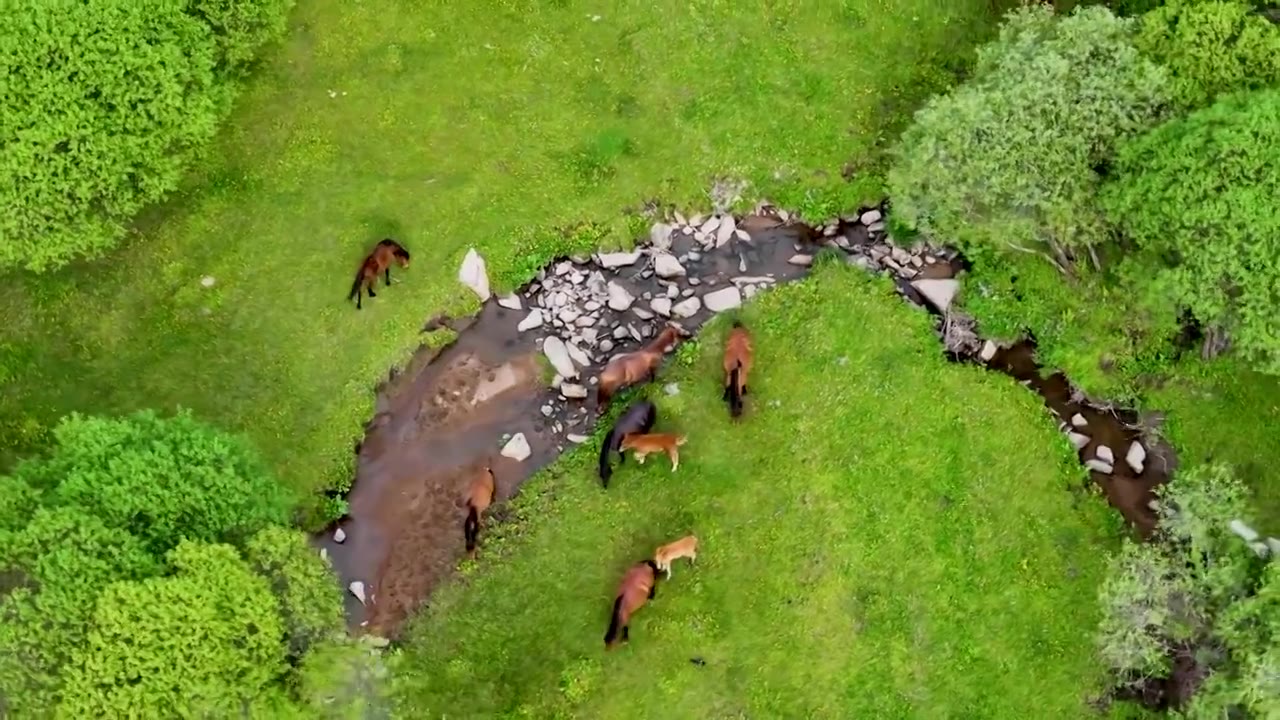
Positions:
(801, 259)
(687, 308)
(660, 236)
(1105, 455)
(615, 260)
(1079, 421)
(530, 321)
(988, 351)
(938, 292)
(572, 391)
(556, 351)
(576, 439)
(357, 588)
(517, 448)
(661, 305)
(667, 266)
(725, 232)
(578, 356)
(1078, 440)
(619, 298)
(1136, 457)
(726, 298)
(709, 226)
(870, 216)
(339, 535)
(473, 274)
(1097, 465)
(510, 302)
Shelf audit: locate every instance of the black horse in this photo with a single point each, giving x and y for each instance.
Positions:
(638, 418)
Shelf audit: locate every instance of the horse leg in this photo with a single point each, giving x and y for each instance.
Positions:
(653, 590)
(359, 297)
(388, 276)
(675, 460)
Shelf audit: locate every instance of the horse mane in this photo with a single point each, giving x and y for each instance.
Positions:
(396, 248)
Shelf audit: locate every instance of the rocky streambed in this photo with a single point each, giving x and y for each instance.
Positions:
(486, 398)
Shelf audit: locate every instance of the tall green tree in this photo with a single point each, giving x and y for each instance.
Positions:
(1009, 160)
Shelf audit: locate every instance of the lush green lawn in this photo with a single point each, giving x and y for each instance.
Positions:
(447, 125)
(884, 535)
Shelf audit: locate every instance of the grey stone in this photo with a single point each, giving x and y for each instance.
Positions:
(606, 345)
(1078, 440)
(642, 313)
(938, 292)
(635, 334)
(207, 281)
(517, 448)
(589, 335)
(1097, 465)
(694, 281)
(339, 535)
(568, 315)
(988, 351)
(695, 256)
(563, 268)
(863, 262)
(586, 321)
(511, 302)
(1078, 421)
(709, 226)
(576, 439)
(749, 291)
(617, 259)
(666, 266)
(591, 306)
(558, 354)
(725, 232)
(646, 331)
(531, 321)
(801, 259)
(726, 298)
(473, 274)
(357, 588)
(687, 308)
(619, 298)
(870, 216)
(661, 305)
(673, 291)
(1104, 454)
(578, 356)
(620, 332)
(660, 236)
(742, 235)
(1136, 457)
(671, 389)
(573, 391)
(686, 292)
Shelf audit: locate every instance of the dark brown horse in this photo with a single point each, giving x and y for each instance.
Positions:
(737, 365)
(479, 498)
(633, 367)
(639, 418)
(639, 586)
(377, 263)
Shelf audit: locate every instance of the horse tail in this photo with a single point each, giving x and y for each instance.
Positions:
(471, 528)
(355, 286)
(734, 392)
(615, 622)
(606, 470)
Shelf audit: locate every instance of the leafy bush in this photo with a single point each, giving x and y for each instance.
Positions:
(311, 609)
(1197, 195)
(343, 679)
(1200, 592)
(1008, 159)
(105, 104)
(161, 478)
(1211, 48)
(199, 643)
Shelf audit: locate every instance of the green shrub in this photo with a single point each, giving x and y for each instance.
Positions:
(1198, 197)
(1008, 159)
(162, 479)
(105, 104)
(1211, 48)
(1197, 588)
(343, 679)
(309, 601)
(201, 642)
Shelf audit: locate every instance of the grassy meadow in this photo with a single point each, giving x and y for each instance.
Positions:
(525, 129)
(884, 534)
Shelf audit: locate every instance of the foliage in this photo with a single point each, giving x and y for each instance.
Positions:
(58, 564)
(310, 604)
(1197, 196)
(1197, 589)
(1007, 160)
(105, 106)
(343, 679)
(201, 642)
(1211, 48)
(161, 478)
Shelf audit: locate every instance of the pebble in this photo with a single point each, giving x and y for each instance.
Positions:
(662, 306)
(531, 321)
(339, 535)
(1105, 455)
(573, 391)
(687, 308)
(517, 448)
(1079, 421)
(801, 260)
(1097, 465)
(672, 388)
(1136, 457)
(357, 588)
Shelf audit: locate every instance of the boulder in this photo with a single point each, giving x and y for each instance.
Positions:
(1097, 465)
(726, 298)
(357, 588)
(939, 293)
(871, 216)
(642, 313)
(615, 260)
(578, 356)
(517, 448)
(619, 298)
(687, 308)
(1079, 421)
(988, 351)
(556, 352)
(573, 391)
(510, 302)
(473, 274)
(660, 236)
(724, 233)
(661, 305)
(1136, 457)
(801, 259)
(339, 535)
(1104, 454)
(531, 321)
(667, 266)
(1078, 440)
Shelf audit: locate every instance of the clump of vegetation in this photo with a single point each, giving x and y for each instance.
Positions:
(1211, 48)
(147, 573)
(105, 105)
(1197, 196)
(1202, 596)
(1009, 160)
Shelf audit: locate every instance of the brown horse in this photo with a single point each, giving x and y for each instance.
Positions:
(737, 365)
(377, 263)
(479, 498)
(633, 367)
(638, 586)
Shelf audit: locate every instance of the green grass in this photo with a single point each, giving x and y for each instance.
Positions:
(503, 125)
(884, 535)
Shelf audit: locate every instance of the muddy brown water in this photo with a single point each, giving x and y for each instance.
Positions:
(449, 413)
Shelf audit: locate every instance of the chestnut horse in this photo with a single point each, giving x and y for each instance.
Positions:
(479, 498)
(632, 367)
(737, 364)
(377, 263)
(639, 586)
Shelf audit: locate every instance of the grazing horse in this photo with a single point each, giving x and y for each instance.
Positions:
(638, 586)
(377, 263)
(737, 364)
(479, 498)
(686, 546)
(638, 418)
(633, 367)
